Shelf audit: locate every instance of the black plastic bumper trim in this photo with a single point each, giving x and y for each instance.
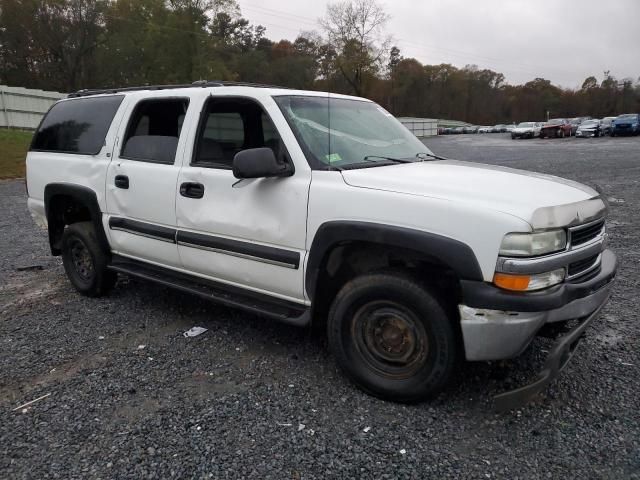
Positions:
(485, 295)
(561, 353)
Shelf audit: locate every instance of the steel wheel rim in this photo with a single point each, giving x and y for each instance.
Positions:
(81, 259)
(390, 338)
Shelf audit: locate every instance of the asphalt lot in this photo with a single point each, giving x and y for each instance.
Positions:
(130, 397)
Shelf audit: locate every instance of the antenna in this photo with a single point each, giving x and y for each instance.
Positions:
(329, 153)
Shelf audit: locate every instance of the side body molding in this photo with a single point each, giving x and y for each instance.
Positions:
(81, 195)
(454, 254)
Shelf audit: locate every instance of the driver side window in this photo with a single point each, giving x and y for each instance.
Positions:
(230, 125)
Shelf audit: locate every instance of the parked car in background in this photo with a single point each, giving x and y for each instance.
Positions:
(556, 127)
(576, 122)
(605, 125)
(627, 124)
(470, 129)
(526, 130)
(590, 128)
(509, 128)
(457, 130)
(498, 128)
(484, 129)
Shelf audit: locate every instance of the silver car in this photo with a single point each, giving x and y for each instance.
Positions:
(590, 128)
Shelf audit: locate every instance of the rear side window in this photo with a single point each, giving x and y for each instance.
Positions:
(78, 125)
(154, 130)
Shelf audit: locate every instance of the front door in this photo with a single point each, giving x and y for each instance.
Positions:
(141, 181)
(249, 233)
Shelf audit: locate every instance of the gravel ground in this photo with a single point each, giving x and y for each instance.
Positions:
(130, 397)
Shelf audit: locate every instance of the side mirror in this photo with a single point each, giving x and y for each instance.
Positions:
(258, 163)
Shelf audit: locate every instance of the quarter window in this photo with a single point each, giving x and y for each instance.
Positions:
(77, 125)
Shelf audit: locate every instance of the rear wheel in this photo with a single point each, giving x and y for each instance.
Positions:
(85, 262)
(392, 337)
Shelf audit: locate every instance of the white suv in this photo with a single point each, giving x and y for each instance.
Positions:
(304, 206)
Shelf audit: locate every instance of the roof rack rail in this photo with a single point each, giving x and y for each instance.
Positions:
(196, 84)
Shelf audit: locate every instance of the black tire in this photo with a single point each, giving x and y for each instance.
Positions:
(85, 261)
(612, 134)
(371, 315)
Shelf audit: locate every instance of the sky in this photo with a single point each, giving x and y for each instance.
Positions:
(560, 40)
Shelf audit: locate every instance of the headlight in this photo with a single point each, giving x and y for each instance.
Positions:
(533, 244)
(528, 283)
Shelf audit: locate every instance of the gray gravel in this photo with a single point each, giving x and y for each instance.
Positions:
(251, 398)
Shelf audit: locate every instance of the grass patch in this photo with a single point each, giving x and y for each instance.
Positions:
(13, 150)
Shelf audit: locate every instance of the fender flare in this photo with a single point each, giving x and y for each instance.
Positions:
(80, 194)
(456, 255)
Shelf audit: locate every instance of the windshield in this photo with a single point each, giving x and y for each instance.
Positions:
(629, 116)
(526, 124)
(556, 121)
(338, 132)
(590, 122)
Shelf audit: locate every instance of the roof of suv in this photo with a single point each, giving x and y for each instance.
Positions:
(271, 89)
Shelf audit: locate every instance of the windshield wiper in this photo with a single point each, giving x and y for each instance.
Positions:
(369, 161)
(391, 159)
(422, 155)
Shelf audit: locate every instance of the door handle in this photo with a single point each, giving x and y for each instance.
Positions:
(192, 190)
(121, 181)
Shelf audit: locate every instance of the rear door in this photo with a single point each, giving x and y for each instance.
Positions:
(249, 233)
(141, 180)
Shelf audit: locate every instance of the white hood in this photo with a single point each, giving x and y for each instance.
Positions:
(516, 192)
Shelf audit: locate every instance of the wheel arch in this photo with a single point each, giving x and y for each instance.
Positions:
(67, 203)
(451, 257)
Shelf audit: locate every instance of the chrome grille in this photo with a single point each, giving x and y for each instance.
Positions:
(584, 234)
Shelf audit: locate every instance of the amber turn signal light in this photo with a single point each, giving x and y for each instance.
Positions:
(518, 283)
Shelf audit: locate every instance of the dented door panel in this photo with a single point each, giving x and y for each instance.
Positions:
(253, 232)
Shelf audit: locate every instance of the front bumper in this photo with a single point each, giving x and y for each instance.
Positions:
(561, 352)
(587, 133)
(524, 134)
(494, 334)
(625, 128)
(497, 325)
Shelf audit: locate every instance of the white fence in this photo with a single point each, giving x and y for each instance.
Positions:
(420, 127)
(24, 107)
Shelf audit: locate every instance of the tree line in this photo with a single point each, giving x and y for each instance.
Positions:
(67, 45)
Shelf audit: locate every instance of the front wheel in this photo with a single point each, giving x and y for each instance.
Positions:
(392, 337)
(85, 262)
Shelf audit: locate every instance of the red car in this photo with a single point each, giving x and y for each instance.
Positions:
(556, 127)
